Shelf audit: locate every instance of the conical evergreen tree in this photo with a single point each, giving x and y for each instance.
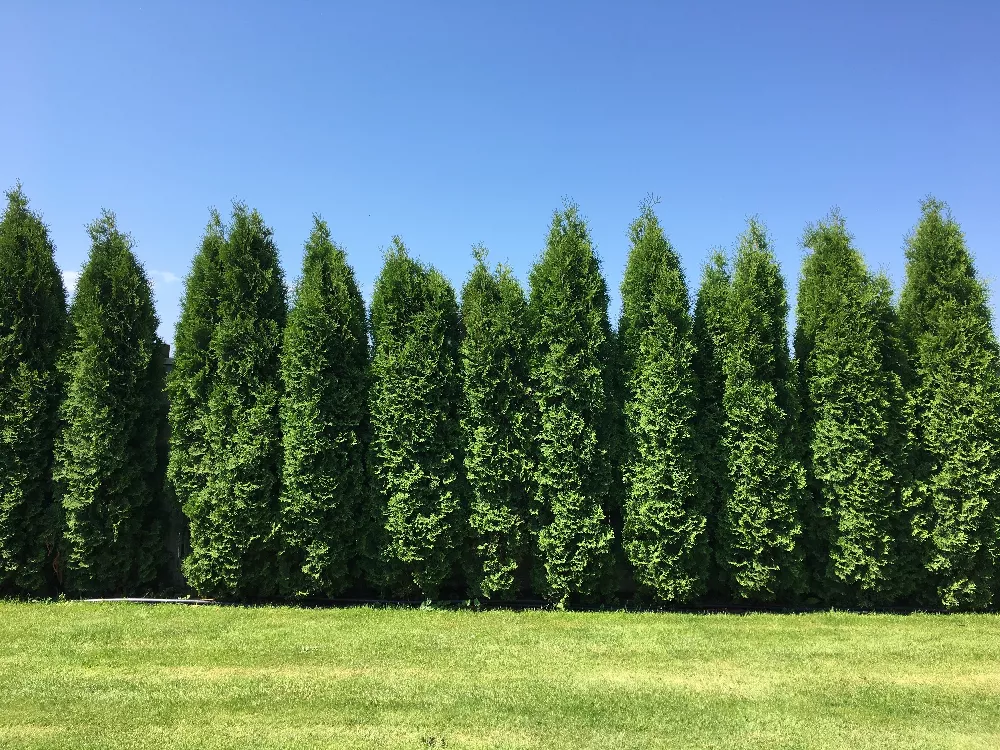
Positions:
(709, 333)
(416, 456)
(106, 456)
(854, 419)
(496, 427)
(955, 389)
(324, 418)
(570, 356)
(226, 462)
(760, 528)
(190, 381)
(32, 332)
(665, 520)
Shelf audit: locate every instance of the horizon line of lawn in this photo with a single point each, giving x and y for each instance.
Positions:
(473, 605)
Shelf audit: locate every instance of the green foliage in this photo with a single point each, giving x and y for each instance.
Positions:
(32, 331)
(665, 520)
(955, 390)
(616, 440)
(106, 467)
(519, 437)
(416, 455)
(190, 381)
(165, 527)
(225, 390)
(570, 358)
(854, 416)
(759, 548)
(496, 427)
(324, 420)
(709, 334)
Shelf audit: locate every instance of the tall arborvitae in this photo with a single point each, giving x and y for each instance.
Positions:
(665, 519)
(616, 440)
(709, 333)
(416, 455)
(759, 549)
(496, 427)
(570, 355)
(226, 462)
(190, 381)
(847, 348)
(324, 421)
(32, 331)
(106, 457)
(948, 328)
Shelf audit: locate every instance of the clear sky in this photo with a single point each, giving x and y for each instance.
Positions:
(454, 124)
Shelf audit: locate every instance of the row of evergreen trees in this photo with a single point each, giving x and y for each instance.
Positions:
(83, 431)
(503, 443)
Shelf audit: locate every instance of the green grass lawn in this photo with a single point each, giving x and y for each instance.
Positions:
(80, 675)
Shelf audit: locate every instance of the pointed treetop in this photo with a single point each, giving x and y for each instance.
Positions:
(320, 228)
(833, 220)
(717, 263)
(16, 199)
(480, 253)
(105, 227)
(939, 265)
(396, 247)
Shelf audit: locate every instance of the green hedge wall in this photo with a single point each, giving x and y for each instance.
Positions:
(508, 443)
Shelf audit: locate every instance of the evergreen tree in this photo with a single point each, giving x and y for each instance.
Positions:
(32, 331)
(955, 389)
(570, 355)
(496, 426)
(709, 333)
(416, 455)
(226, 462)
(106, 455)
(759, 547)
(665, 521)
(324, 419)
(616, 439)
(847, 346)
(190, 381)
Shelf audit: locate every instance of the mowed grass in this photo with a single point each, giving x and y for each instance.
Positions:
(77, 675)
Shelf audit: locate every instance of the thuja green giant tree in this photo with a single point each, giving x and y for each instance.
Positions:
(416, 457)
(665, 519)
(324, 418)
(32, 332)
(709, 333)
(955, 389)
(107, 454)
(854, 423)
(190, 381)
(225, 388)
(759, 549)
(570, 357)
(496, 427)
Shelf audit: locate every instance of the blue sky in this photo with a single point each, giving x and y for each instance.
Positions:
(454, 124)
